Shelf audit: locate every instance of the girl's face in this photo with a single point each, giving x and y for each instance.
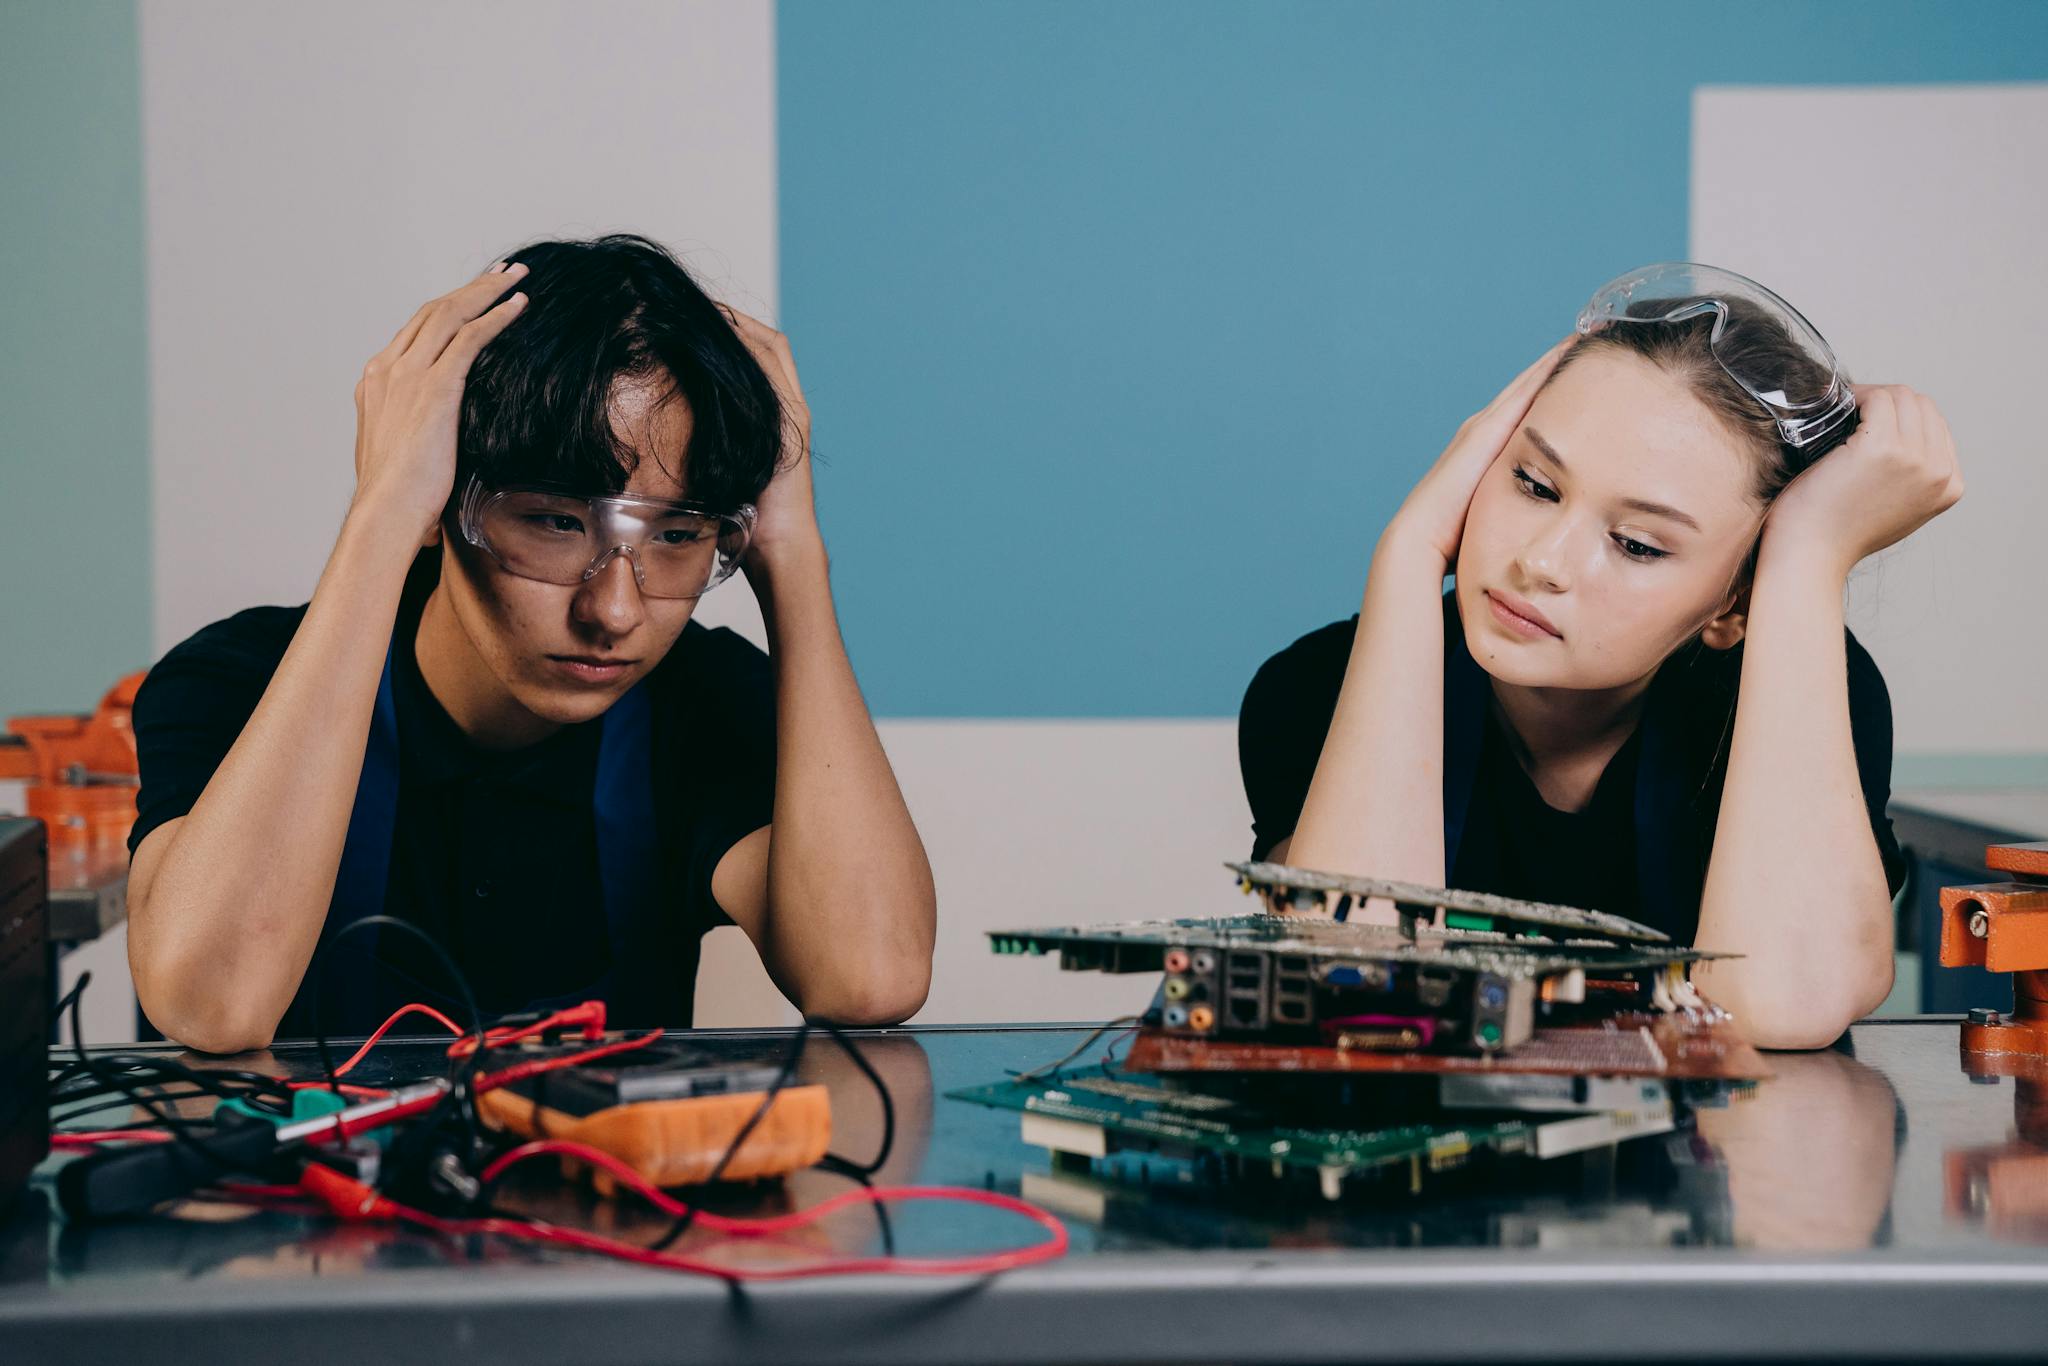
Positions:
(1609, 532)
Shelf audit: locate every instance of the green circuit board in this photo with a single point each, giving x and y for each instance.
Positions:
(1133, 1110)
(1141, 945)
(1421, 906)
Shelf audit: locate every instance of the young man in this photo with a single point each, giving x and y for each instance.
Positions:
(495, 720)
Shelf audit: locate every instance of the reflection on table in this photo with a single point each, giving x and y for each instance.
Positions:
(1842, 1163)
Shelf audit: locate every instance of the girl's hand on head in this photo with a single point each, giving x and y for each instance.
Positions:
(1434, 513)
(787, 507)
(1896, 473)
(409, 399)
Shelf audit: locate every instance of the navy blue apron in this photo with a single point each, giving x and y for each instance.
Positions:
(642, 986)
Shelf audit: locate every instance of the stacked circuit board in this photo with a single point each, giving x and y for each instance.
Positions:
(1451, 972)
(1534, 1029)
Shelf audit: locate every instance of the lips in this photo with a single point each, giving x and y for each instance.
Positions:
(591, 668)
(1521, 616)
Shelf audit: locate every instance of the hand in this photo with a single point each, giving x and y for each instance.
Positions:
(1434, 511)
(409, 399)
(788, 512)
(1895, 474)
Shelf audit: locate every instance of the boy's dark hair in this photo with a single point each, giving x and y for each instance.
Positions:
(601, 313)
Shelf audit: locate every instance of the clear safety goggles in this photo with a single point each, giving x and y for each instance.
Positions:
(1808, 402)
(677, 549)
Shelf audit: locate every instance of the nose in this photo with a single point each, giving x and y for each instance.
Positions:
(1545, 558)
(609, 600)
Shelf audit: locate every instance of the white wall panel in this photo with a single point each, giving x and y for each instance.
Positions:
(1907, 224)
(314, 173)
(1056, 822)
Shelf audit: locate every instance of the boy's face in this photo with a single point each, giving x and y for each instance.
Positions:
(566, 653)
(1619, 515)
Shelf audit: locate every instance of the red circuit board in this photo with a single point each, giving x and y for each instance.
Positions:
(1680, 1046)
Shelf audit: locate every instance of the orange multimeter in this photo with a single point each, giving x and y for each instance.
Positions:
(670, 1113)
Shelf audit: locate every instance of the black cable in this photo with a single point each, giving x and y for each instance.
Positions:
(100, 1098)
(105, 1076)
(223, 1081)
(861, 1173)
(58, 1122)
(455, 975)
(858, 1172)
(413, 1149)
(839, 1166)
(64, 1001)
(1044, 1069)
(683, 1221)
(182, 1131)
(888, 1108)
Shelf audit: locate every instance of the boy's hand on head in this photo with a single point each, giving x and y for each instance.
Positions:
(1895, 473)
(1434, 513)
(409, 400)
(787, 508)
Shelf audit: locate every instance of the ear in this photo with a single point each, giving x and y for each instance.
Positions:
(1730, 624)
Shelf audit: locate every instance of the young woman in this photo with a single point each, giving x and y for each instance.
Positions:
(1640, 696)
(515, 738)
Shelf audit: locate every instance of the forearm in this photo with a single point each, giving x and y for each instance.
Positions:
(1795, 883)
(1375, 805)
(225, 915)
(851, 909)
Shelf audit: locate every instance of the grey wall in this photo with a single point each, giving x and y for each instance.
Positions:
(74, 399)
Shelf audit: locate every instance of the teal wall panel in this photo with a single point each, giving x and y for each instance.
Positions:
(74, 374)
(1127, 326)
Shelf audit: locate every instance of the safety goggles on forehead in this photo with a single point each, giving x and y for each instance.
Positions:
(1808, 401)
(677, 549)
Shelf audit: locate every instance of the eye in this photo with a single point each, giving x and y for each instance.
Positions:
(678, 536)
(560, 523)
(1534, 487)
(1636, 550)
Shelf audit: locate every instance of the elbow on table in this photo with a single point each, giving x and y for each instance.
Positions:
(199, 1018)
(867, 1007)
(1816, 1016)
(885, 992)
(210, 1030)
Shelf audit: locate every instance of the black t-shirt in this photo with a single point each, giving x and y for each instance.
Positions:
(1640, 847)
(1518, 844)
(495, 852)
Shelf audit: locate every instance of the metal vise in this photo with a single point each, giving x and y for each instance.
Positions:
(2003, 927)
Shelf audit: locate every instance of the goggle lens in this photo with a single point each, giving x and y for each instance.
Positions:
(1808, 396)
(676, 551)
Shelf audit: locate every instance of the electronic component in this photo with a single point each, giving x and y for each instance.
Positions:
(24, 1004)
(661, 1071)
(1475, 1022)
(1419, 907)
(1092, 1117)
(1702, 1045)
(679, 1142)
(135, 1177)
(1353, 985)
(1548, 1093)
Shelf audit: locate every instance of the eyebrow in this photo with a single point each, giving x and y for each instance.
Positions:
(1634, 504)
